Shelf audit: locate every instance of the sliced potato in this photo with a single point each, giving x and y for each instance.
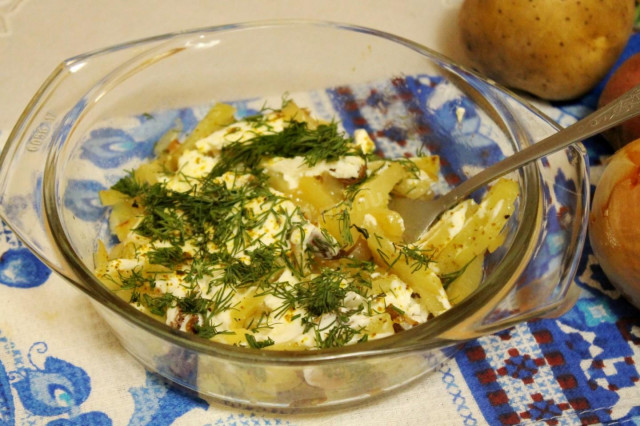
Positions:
(149, 172)
(292, 112)
(420, 175)
(110, 197)
(423, 280)
(124, 217)
(451, 222)
(390, 222)
(372, 195)
(467, 282)
(314, 194)
(101, 258)
(219, 116)
(124, 250)
(482, 230)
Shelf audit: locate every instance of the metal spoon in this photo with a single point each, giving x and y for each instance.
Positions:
(418, 215)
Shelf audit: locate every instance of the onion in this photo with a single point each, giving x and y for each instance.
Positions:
(614, 223)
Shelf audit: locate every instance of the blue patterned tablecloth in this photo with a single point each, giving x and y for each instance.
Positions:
(59, 364)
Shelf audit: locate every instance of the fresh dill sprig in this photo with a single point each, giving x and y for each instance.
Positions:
(412, 255)
(409, 166)
(339, 331)
(261, 324)
(166, 256)
(129, 185)
(158, 305)
(133, 281)
(322, 294)
(206, 331)
(344, 223)
(415, 256)
(324, 143)
(193, 303)
(258, 344)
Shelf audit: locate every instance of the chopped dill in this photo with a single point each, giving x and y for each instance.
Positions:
(206, 331)
(128, 185)
(324, 143)
(258, 344)
(361, 231)
(417, 258)
(167, 256)
(158, 305)
(193, 303)
(322, 294)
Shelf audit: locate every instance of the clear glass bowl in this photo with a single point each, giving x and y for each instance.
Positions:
(99, 115)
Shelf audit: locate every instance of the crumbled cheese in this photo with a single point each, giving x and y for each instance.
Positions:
(292, 169)
(364, 141)
(240, 131)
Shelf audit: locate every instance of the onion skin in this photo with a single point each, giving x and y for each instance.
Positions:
(626, 77)
(614, 222)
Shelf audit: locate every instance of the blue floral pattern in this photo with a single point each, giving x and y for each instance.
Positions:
(81, 197)
(59, 388)
(20, 268)
(109, 147)
(7, 409)
(158, 404)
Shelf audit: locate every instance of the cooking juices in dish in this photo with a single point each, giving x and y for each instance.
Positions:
(274, 232)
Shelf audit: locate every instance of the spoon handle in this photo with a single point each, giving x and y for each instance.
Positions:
(612, 114)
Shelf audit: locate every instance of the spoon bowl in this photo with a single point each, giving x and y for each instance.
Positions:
(418, 215)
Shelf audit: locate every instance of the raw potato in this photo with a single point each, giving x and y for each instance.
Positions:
(614, 219)
(554, 49)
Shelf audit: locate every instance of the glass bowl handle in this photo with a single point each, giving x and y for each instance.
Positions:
(37, 137)
(520, 305)
(22, 171)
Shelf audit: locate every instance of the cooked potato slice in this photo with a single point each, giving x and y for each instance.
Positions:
(314, 194)
(149, 172)
(372, 195)
(420, 175)
(124, 217)
(292, 112)
(451, 222)
(219, 116)
(110, 197)
(423, 280)
(101, 258)
(390, 222)
(482, 230)
(467, 282)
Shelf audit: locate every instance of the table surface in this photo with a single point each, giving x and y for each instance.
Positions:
(59, 363)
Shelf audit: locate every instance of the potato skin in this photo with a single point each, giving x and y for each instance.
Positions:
(614, 232)
(626, 77)
(554, 49)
